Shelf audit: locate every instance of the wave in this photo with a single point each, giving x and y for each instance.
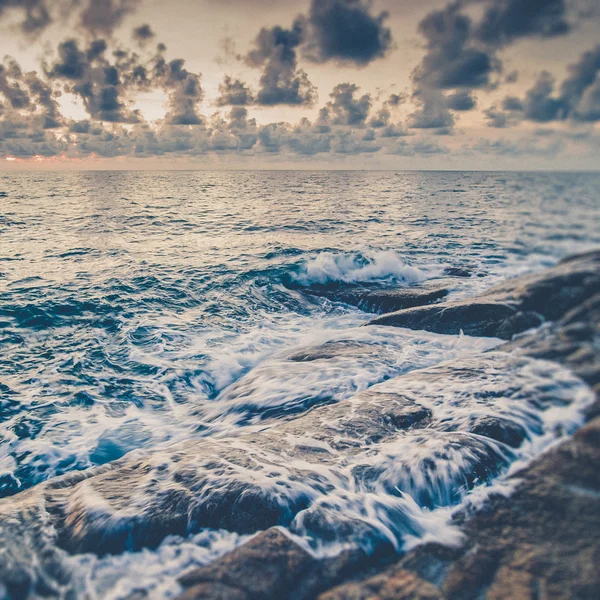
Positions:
(358, 267)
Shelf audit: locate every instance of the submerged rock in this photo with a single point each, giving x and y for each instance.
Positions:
(511, 307)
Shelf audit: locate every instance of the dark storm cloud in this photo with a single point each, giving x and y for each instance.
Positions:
(275, 51)
(581, 90)
(234, 92)
(96, 16)
(462, 55)
(346, 31)
(26, 91)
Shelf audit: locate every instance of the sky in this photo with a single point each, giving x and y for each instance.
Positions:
(282, 84)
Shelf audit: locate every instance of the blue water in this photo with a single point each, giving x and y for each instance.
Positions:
(141, 310)
(129, 300)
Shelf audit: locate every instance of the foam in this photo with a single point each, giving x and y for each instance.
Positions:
(358, 267)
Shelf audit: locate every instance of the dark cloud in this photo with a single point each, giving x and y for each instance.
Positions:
(103, 16)
(345, 31)
(11, 84)
(512, 103)
(461, 100)
(577, 98)
(234, 92)
(579, 91)
(452, 59)
(432, 111)
(507, 20)
(396, 99)
(333, 30)
(345, 107)
(185, 93)
(281, 82)
(96, 16)
(88, 74)
(143, 34)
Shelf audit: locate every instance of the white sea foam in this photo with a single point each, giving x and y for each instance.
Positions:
(357, 267)
(401, 487)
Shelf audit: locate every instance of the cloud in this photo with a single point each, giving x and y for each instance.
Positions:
(345, 31)
(185, 93)
(432, 111)
(345, 108)
(461, 100)
(95, 16)
(98, 83)
(577, 98)
(234, 92)
(507, 20)
(418, 148)
(143, 34)
(11, 84)
(452, 59)
(281, 82)
(103, 16)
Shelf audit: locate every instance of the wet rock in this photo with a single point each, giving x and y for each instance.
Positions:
(380, 300)
(511, 307)
(457, 272)
(573, 341)
(271, 565)
(400, 584)
(503, 430)
(303, 474)
(478, 318)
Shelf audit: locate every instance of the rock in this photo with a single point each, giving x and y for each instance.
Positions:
(400, 584)
(398, 435)
(271, 565)
(380, 300)
(430, 433)
(511, 307)
(472, 317)
(457, 272)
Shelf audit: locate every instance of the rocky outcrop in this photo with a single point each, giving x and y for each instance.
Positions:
(512, 307)
(419, 440)
(542, 541)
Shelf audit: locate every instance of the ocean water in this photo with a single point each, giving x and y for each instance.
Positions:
(142, 310)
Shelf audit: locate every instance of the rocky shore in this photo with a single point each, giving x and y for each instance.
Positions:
(541, 541)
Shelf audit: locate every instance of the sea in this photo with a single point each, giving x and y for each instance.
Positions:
(134, 305)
